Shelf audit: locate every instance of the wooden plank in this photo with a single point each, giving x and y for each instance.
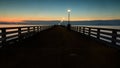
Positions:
(12, 41)
(93, 31)
(11, 32)
(106, 33)
(106, 37)
(24, 30)
(11, 36)
(94, 34)
(118, 40)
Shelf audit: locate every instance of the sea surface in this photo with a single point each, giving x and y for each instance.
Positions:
(12, 25)
(114, 24)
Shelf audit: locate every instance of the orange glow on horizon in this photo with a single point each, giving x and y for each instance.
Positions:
(10, 20)
(6, 19)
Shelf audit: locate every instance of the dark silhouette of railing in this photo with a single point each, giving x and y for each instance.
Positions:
(106, 35)
(10, 35)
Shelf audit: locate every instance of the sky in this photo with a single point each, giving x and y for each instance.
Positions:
(20, 10)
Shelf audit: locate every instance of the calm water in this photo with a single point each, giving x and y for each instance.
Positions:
(3, 26)
(114, 24)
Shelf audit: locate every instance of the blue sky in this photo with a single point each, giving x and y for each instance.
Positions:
(56, 9)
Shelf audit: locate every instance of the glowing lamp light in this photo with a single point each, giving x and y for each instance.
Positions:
(69, 10)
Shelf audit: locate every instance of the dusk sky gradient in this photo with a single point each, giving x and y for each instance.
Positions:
(18, 10)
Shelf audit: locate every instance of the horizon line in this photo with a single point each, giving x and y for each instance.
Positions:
(55, 20)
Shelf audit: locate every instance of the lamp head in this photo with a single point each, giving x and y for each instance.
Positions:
(68, 10)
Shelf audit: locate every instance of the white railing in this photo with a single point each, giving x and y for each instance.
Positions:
(109, 36)
(10, 35)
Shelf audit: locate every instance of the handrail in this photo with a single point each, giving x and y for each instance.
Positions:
(12, 34)
(107, 35)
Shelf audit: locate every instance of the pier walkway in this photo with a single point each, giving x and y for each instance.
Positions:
(58, 47)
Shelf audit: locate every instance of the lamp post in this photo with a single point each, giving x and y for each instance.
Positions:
(68, 15)
(68, 25)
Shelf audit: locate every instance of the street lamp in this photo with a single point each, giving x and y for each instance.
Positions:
(68, 25)
(68, 15)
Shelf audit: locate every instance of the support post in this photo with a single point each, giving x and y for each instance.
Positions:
(19, 34)
(40, 28)
(89, 33)
(98, 33)
(80, 29)
(77, 28)
(37, 28)
(3, 36)
(34, 29)
(28, 29)
(114, 34)
(83, 30)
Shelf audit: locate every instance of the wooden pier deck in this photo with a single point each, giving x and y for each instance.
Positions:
(58, 47)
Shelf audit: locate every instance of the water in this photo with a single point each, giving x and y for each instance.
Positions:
(98, 26)
(11, 25)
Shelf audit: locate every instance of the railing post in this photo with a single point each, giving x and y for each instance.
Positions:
(34, 29)
(19, 34)
(98, 33)
(28, 29)
(3, 36)
(83, 30)
(37, 28)
(89, 33)
(80, 29)
(40, 28)
(77, 29)
(114, 34)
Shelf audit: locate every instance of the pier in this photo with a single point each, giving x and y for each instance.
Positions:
(58, 47)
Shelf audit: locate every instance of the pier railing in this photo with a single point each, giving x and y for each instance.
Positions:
(106, 35)
(10, 35)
